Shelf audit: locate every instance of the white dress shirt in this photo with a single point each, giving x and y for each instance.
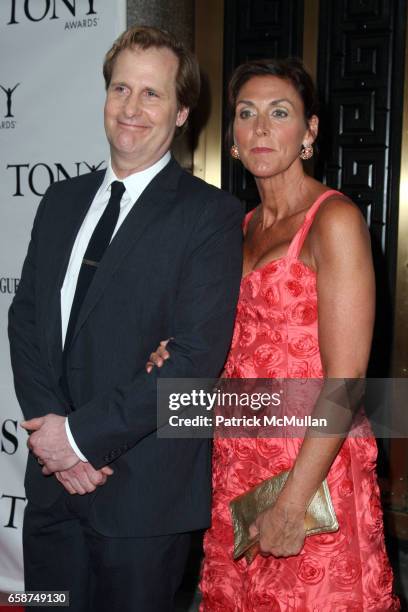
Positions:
(135, 184)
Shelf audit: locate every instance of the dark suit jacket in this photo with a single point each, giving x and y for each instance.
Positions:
(172, 270)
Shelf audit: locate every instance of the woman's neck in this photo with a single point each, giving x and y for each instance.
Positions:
(282, 195)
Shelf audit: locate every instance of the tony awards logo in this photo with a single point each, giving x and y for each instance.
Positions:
(80, 15)
(9, 116)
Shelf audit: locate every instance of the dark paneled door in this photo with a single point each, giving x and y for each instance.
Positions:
(361, 82)
(361, 78)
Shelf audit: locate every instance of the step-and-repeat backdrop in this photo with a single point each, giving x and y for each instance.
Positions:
(51, 128)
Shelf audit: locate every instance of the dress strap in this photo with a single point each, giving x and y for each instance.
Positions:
(297, 242)
(247, 219)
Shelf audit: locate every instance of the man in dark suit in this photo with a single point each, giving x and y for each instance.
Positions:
(117, 261)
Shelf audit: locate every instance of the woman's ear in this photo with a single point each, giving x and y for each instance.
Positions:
(313, 128)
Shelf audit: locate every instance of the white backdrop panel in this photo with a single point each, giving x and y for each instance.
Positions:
(51, 125)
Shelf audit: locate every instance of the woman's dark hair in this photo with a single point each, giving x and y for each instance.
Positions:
(290, 69)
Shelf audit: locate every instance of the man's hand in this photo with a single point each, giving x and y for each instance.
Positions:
(82, 478)
(159, 356)
(49, 443)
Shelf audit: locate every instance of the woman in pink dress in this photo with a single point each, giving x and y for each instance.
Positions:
(306, 310)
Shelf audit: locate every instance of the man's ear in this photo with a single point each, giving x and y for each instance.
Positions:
(182, 115)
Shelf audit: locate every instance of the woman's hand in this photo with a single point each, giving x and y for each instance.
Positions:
(158, 357)
(281, 530)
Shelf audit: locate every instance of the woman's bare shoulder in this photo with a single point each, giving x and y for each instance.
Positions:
(339, 226)
(338, 213)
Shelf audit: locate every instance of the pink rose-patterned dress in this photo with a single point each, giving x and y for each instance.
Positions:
(276, 335)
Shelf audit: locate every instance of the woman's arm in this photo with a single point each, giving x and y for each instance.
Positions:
(341, 251)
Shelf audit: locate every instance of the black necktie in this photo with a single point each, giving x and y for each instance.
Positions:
(95, 250)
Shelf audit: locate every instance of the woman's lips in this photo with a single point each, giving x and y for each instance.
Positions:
(261, 150)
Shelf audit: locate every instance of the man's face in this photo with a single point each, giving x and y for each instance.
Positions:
(141, 111)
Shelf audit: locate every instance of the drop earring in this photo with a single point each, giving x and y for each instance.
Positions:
(234, 152)
(306, 152)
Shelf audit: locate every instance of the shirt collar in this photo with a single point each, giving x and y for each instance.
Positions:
(138, 181)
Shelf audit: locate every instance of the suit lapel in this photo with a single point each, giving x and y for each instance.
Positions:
(72, 214)
(159, 193)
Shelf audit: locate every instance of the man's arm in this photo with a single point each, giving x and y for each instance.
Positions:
(112, 423)
(33, 385)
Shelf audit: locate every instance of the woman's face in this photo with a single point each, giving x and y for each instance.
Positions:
(269, 125)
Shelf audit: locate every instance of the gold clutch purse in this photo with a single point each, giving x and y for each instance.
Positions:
(320, 516)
